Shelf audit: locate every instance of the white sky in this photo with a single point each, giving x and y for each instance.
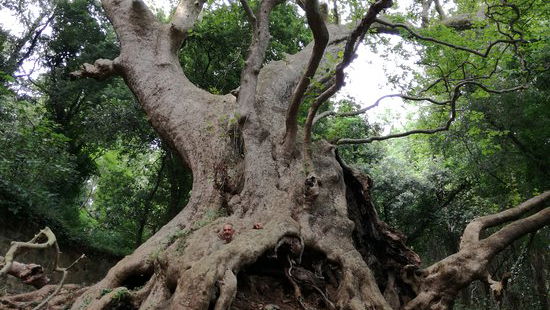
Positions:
(366, 76)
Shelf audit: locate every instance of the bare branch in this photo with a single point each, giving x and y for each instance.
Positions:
(375, 104)
(101, 69)
(320, 35)
(455, 95)
(32, 244)
(64, 272)
(51, 241)
(249, 13)
(349, 53)
(457, 47)
(473, 230)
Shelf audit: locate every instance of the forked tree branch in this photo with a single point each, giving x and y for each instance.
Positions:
(255, 58)
(499, 240)
(320, 36)
(473, 229)
(51, 241)
(438, 285)
(349, 53)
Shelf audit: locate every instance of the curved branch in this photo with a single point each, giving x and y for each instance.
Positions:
(473, 230)
(513, 231)
(455, 95)
(32, 244)
(320, 35)
(457, 47)
(375, 104)
(349, 53)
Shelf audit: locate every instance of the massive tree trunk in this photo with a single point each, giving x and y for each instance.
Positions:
(304, 221)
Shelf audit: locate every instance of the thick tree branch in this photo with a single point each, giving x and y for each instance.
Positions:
(320, 35)
(515, 230)
(255, 58)
(184, 18)
(438, 285)
(473, 230)
(131, 19)
(31, 274)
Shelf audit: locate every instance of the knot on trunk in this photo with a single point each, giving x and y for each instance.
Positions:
(311, 189)
(413, 276)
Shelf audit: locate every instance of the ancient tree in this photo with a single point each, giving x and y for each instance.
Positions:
(303, 220)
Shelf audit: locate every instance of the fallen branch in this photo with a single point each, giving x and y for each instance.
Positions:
(31, 274)
(51, 241)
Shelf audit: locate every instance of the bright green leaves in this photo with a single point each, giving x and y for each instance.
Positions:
(213, 55)
(35, 165)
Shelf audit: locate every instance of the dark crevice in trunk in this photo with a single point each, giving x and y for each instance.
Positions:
(381, 246)
(266, 281)
(138, 279)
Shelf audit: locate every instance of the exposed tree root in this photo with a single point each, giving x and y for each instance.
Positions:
(66, 296)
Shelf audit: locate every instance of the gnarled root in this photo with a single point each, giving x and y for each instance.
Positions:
(228, 290)
(66, 296)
